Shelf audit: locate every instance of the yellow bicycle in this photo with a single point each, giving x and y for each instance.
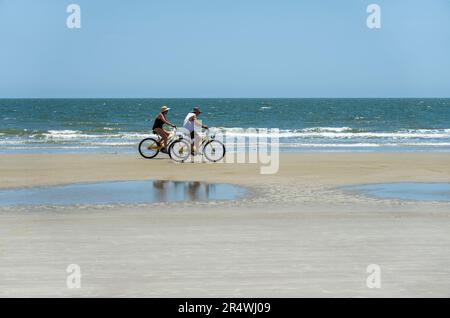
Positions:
(150, 147)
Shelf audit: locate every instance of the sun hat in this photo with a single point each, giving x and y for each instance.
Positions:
(196, 110)
(164, 109)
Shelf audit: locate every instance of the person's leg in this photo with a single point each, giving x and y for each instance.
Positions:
(196, 142)
(161, 132)
(166, 139)
(192, 143)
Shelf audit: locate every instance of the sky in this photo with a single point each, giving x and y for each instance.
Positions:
(224, 48)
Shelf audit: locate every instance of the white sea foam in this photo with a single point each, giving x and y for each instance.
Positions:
(306, 133)
(337, 133)
(74, 134)
(63, 132)
(328, 129)
(313, 137)
(118, 144)
(11, 142)
(363, 145)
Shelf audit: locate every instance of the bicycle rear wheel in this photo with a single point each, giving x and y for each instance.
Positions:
(214, 150)
(180, 150)
(149, 148)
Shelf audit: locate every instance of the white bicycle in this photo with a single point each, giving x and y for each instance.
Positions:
(213, 150)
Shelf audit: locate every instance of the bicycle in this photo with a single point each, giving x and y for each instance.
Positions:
(150, 147)
(212, 149)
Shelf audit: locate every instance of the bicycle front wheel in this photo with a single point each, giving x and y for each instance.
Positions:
(149, 148)
(180, 150)
(214, 150)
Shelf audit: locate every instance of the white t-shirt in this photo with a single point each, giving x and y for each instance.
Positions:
(188, 124)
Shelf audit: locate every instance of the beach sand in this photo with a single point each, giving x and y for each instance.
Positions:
(297, 234)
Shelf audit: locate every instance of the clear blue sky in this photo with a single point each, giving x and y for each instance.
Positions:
(224, 48)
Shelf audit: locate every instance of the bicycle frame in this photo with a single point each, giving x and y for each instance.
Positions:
(170, 139)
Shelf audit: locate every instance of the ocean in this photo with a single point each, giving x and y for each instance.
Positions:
(310, 125)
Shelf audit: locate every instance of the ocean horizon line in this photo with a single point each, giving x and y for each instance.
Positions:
(211, 98)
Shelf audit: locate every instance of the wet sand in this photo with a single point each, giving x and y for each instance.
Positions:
(297, 234)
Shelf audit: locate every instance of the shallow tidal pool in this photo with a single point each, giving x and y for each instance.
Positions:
(121, 192)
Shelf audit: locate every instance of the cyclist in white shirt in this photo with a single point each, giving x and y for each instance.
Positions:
(190, 122)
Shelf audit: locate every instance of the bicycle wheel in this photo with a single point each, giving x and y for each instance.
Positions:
(180, 150)
(214, 150)
(149, 148)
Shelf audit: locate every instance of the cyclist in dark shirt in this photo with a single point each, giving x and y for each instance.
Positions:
(158, 129)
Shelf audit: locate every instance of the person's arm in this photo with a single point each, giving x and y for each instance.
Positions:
(197, 122)
(163, 118)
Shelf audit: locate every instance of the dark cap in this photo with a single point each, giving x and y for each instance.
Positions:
(196, 110)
